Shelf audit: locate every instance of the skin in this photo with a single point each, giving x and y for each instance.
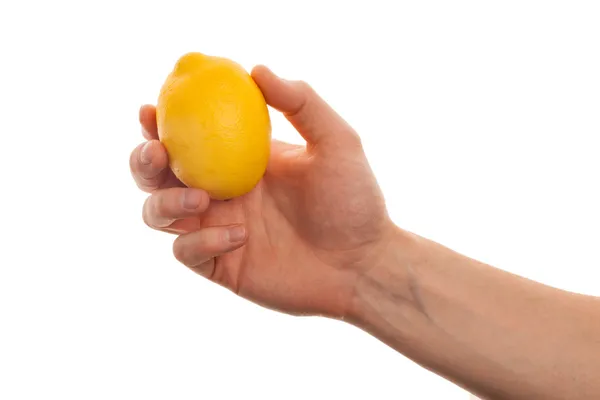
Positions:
(314, 238)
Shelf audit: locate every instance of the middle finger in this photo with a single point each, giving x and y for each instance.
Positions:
(166, 206)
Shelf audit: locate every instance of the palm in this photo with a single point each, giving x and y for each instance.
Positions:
(307, 218)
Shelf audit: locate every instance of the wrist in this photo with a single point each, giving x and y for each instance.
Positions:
(388, 279)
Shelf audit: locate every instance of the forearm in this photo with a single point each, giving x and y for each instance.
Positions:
(496, 334)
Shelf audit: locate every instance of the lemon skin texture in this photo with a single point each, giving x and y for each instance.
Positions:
(214, 122)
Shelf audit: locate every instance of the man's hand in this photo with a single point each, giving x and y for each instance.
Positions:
(314, 238)
(300, 239)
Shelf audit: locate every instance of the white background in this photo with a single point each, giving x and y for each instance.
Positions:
(480, 119)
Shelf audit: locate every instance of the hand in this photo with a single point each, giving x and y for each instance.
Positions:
(300, 239)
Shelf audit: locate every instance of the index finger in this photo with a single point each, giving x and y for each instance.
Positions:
(147, 117)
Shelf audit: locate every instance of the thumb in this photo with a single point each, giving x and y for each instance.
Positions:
(314, 119)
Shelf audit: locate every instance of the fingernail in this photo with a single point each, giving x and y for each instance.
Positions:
(192, 199)
(236, 234)
(145, 157)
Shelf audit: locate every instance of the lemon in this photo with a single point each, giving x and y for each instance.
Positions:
(214, 123)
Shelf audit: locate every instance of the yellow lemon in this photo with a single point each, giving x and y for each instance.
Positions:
(214, 123)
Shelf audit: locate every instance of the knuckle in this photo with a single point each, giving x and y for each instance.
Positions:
(154, 167)
(145, 179)
(188, 252)
(145, 211)
(306, 97)
(153, 209)
(194, 250)
(355, 139)
(133, 160)
(180, 251)
(305, 87)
